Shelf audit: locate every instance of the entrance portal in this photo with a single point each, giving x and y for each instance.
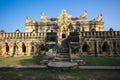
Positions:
(63, 36)
(7, 47)
(105, 47)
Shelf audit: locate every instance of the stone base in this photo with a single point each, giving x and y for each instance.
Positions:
(62, 64)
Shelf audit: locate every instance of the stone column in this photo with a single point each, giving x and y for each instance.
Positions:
(11, 47)
(111, 49)
(3, 50)
(28, 49)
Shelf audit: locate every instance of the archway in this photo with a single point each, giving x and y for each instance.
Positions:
(105, 47)
(42, 47)
(23, 47)
(63, 36)
(85, 48)
(7, 47)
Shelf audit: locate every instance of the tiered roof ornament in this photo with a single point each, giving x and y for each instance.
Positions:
(99, 18)
(43, 17)
(83, 16)
(64, 20)
(29, 20)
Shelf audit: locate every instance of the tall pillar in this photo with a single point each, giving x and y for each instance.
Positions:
(111, 49)
(114, 49)
(11, 47)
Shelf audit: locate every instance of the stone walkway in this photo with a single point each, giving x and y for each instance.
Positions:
(62, 64)
(99, 67)
(25, 66)
(45, 67)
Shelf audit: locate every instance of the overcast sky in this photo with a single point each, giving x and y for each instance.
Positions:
(13, 12)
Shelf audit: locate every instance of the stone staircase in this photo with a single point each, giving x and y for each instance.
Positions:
(63, 51)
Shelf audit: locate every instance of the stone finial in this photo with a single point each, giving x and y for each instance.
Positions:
(64, 11)
(29, 20)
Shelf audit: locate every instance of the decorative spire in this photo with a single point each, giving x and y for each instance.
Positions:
(64, 20)
(99, 18)
(83, 16)
(43, 17)
(29, 20)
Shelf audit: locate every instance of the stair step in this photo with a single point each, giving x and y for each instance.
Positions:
(61, 59)
(63, 53)
(63, 56)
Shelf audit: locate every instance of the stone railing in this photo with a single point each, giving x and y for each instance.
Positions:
(22, 35)
(101, 34)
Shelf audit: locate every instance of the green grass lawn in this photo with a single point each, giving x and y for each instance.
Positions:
(58, 74)
(34, 60)
(22, 60)
(102, 61)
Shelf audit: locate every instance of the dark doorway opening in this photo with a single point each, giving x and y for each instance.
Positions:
(105, 47)
(7, 47)
(85, 48)
(42, 47)
(23, 47)
(63, 36)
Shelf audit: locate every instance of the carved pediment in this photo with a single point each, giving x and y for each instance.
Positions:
(64, 20)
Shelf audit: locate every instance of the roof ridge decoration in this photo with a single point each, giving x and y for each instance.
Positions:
(29, 20)
(43, 17)
(99, 18)
(83, 16)
(64, 20)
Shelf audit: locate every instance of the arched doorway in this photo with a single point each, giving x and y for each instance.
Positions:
(63, 36)
(23, 47)
(105, 47)
(85, 48)
(42, 47)
(7, 47)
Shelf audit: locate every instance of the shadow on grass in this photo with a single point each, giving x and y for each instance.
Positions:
(34, 60)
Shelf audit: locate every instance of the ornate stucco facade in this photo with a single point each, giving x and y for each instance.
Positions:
(63, 34)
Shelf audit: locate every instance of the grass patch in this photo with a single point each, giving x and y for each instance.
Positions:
(21, 60)
(34, 60)
(102, 61)
(58, 74)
